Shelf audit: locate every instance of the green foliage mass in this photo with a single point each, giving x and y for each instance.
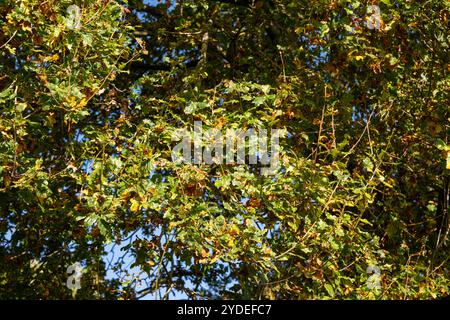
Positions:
(87, 115)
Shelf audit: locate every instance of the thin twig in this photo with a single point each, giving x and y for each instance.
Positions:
(9, 40)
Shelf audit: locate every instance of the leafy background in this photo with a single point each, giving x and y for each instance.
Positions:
(87, 117)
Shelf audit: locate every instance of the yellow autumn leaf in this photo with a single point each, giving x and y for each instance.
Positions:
(26, 28)
(134, 206)
(52, 58)
(214, 259)
(71, 101)
(172, 225)
(448, 160)
(82, 103)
